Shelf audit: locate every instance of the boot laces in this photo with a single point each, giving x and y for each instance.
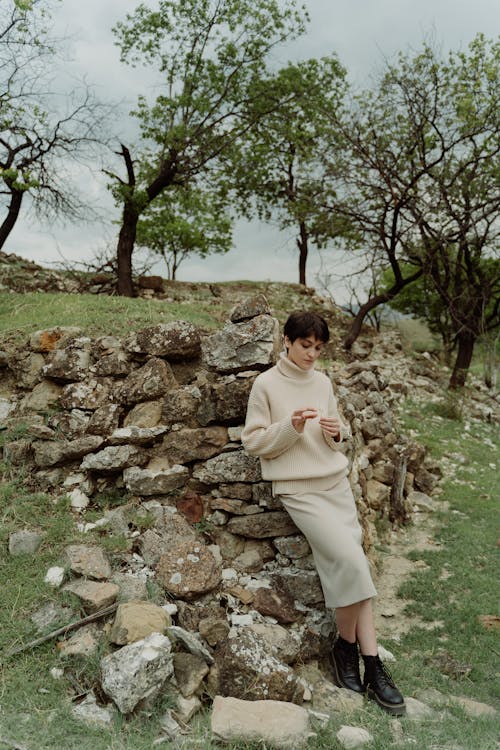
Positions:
(383, 673)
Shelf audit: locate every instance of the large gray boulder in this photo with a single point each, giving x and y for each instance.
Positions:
(149, 382)
(137, 672)
(236, 466)
(188, 570)
(176, 341)
(241, 346)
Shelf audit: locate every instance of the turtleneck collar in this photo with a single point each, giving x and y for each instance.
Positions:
(290, 370)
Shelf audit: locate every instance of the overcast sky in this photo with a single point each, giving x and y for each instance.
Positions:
(361, 32)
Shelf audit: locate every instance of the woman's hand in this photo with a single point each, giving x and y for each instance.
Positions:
(330, 425)
(300, 417)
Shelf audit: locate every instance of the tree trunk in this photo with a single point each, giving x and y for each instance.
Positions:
(466, 343)
(373, 302)
(16, 198)
(125, 248)
(302, 244)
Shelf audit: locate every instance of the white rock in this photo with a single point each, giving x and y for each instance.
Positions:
(137, 671)
(385, 655)
(351, 737)
(186, 708)
(78, 499)
(54, 576)
(417, 710)
(241, 620)
(57, 673)
(89, 712)
(281, 724)
(170, 608)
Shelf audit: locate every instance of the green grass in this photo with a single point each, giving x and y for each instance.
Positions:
(21, 314)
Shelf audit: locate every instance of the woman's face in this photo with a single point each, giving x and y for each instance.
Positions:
(304, 351)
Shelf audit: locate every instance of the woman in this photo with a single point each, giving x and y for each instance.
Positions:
(294, 427)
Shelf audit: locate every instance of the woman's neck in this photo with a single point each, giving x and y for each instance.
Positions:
(289, 369)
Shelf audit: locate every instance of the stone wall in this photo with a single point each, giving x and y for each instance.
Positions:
(152, 423)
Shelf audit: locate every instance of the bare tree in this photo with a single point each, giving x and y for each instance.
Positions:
(43, 135)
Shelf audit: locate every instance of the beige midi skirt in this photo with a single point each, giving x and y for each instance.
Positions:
(329, 521)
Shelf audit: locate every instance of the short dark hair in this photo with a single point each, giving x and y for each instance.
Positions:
(301, 324)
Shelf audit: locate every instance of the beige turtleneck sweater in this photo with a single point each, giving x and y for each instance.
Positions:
(293, 461)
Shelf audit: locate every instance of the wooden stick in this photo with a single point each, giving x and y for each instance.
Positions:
(62, 631)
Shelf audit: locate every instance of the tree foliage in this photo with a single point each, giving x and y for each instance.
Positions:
(278, 167)
(421, 183)
(186, 221)
(42, 135)
(208, 54)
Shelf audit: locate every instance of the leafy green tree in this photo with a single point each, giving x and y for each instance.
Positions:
(185, 222)
(278, 168)
(421, 183)
(41, 136)
(208, 53)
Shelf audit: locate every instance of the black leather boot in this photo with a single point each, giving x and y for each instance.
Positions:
(344, 658)
(380, 687)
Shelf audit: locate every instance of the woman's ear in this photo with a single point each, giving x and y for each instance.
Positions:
(287, 342)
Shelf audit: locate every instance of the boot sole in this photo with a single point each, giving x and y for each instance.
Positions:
(336, 678)
(396, 709)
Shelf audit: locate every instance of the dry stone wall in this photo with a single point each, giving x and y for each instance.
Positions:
(153, 421)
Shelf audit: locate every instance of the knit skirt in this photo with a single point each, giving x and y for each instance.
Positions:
(329, 521)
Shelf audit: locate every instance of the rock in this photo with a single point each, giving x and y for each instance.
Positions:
(377, 494)
(225, 400)
(148, 482)
(104, 420)
(6, 408)
(383, 472)
(83, 643)
(190, 505)
(228, 467)
(250, 561)
(352, 737)
(473, 708)
(250, 308)
(136, 620)
(188, 570)
(280, 641)
(177, 341)
(275, 523)
(243, 345)
(90, 395)
(71, 424)
(115, 457)
(213, 630)
(132, 585)
(187, 445)
(42, 397)
(158, 541)
(229, 544)
(18, 452)
(24, 542)
(93, 714)
(276, 602)
(78, 499)
(181, 405)
(88, 561)
(235, 507)
(417, 711)
(293, 547)
(47, 340)
(54, 576)
(421, 501)
(94, 596)
(135, 435)
(170, 728)
(27, 367)
(191, 641)
(49, 452)
(425, 481)
(137, 671)
(248, 671)
(147, 414)
(149, 382)
(69, 364)
(276, 724)
(303, 585)
(236, 491)
(190, 670)
(49, 615)
(186, 708)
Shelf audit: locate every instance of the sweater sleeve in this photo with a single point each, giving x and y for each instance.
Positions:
(333, 411)
(260, 437)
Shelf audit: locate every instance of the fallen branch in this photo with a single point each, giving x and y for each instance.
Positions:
(62, 631)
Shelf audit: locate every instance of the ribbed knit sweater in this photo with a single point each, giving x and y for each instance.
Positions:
(293, 461)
